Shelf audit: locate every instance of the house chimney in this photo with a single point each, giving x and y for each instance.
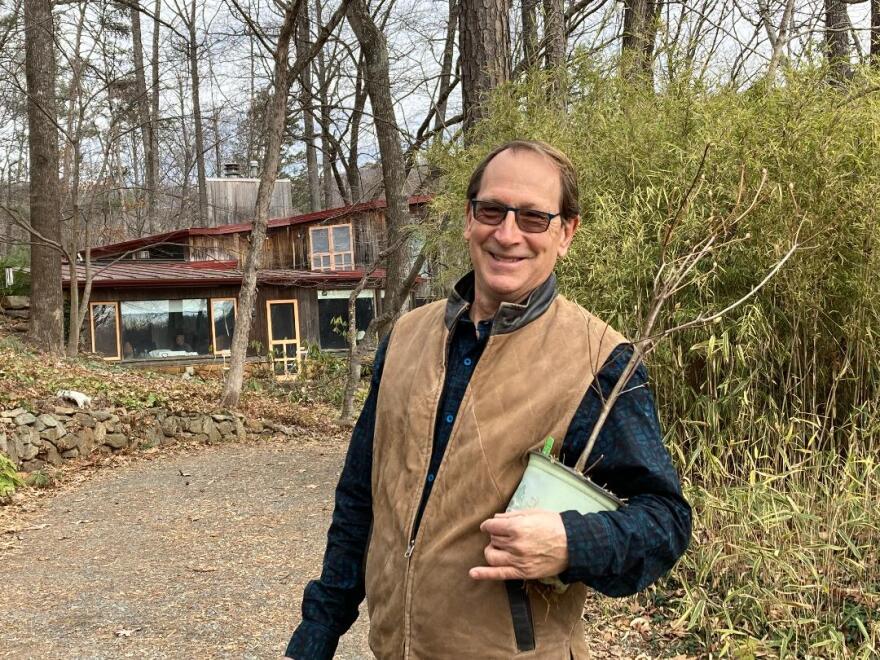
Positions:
(254, 169)
(231, 170)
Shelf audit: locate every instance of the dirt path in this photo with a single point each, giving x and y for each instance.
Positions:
(202, 553)
(140, 561)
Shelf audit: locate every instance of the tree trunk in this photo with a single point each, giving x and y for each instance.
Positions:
(352, 168)
(215, 118)
(276, 115)
(306, 103)
(378, 84)
(778, 39)
(875, 33)
(186, 165)
(74, 321)
(639, 34)
(447, 63)
(529, 32)
(197, 115)
(143, 114)
(277, 112)
(485, 54)
(73, 158)
(324, 121)
(47, 301)
(152, 164)
(837, 40)
(554, 34)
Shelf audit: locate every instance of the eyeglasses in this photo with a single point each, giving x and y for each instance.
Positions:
(528, 220)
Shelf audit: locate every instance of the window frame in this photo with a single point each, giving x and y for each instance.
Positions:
(107, 303)
(331, 252)
(226, 352)
(283, 343)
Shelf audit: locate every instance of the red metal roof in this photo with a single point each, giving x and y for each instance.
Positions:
(178, 236)
(207, 273)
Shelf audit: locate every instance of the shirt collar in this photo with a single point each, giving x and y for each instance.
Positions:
(510, 316)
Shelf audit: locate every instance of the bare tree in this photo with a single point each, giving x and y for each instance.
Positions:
(875, 32)
(554, 33)
(778, 38)
(378, 83)
(47, 320)
(837, 27)
(529, 32)
(193, 53)
(152, 164)
(303, 37)
(446, 70)
(639, 36)
(284, 74)
(485, 53)
(142, 101)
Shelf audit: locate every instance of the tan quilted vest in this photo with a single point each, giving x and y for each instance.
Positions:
(526, 386)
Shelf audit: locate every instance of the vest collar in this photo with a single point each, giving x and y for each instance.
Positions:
(510, 316)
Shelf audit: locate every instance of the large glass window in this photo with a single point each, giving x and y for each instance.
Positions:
(332, 248)
(223, 317)
(105, 329)
(155, 329)
(333, 317)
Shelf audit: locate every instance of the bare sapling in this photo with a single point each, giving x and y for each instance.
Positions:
(679, 272)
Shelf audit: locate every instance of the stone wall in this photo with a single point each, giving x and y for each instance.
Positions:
(58, 433)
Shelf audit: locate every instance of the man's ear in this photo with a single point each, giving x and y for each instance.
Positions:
(568, 229)
(468, 219)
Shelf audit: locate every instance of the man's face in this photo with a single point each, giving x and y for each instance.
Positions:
(508, 262)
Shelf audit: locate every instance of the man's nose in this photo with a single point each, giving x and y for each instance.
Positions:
(508, 232)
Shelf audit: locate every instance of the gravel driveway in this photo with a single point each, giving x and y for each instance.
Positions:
(201, 554)
(196, 552)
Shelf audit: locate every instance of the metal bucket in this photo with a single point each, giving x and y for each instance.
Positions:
(548, 484)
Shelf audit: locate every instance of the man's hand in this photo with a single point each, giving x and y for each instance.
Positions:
(523, 545)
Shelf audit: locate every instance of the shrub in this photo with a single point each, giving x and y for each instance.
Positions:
(772, 415)
(9, 479)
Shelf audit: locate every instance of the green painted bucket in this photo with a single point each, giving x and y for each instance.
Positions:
(548, 484)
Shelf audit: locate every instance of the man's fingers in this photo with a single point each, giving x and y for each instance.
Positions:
(514, 514)
(496, 557)
(495, 573)
(503, 542)
(497, 527)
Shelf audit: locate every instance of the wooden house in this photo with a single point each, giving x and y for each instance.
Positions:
(172, 297)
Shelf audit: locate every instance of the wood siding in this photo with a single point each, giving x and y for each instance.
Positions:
(225, 247)
(368, 238)
(290, 247)
(232, 200)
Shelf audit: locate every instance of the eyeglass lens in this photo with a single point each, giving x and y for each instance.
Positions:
(526, 219)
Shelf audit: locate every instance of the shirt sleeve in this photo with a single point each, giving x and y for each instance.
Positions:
(330, 604)
(621, 552)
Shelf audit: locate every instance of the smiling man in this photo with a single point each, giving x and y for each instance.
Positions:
(461, 391)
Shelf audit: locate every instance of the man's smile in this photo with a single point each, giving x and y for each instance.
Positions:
(505, 259)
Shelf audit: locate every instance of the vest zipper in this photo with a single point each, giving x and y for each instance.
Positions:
(414, 529)
(420, 509)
